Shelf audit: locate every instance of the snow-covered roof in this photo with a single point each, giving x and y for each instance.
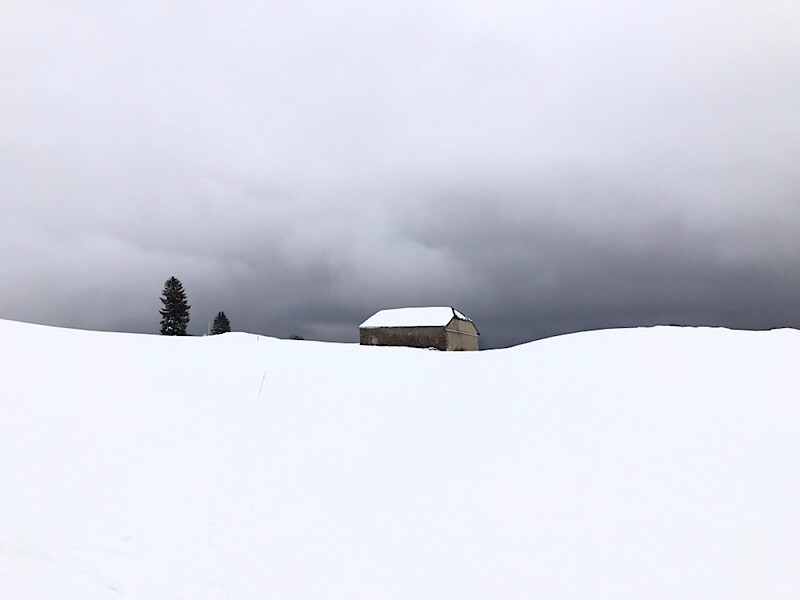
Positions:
(420, 316)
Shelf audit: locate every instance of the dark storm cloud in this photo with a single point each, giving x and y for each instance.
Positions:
(614, 258)
(544, 167)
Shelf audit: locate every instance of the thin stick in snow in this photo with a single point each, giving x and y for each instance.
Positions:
(261, 387)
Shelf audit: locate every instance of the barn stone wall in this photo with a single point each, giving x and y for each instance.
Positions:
(458, 335)
(415, 337)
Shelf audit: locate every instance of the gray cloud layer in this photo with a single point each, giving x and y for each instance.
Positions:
(545, 168)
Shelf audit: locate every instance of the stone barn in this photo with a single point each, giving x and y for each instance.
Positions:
(440, 327)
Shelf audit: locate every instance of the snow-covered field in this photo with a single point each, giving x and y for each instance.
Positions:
(626, 464)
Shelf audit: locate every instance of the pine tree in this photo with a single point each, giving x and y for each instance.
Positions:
(221, 324)
(175, 314)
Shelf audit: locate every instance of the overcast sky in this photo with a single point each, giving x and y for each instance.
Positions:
(544, 167)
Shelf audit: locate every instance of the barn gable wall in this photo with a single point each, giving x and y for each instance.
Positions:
(461, 341)
(462, 335)
(462, 325)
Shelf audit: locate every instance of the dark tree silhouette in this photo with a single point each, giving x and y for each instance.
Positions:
(221, 324)
(175, 314)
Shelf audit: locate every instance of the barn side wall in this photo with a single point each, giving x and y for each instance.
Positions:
(458, 335)
(414, 337)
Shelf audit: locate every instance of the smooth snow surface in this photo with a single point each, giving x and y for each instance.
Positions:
(630, 464)
(421, 316)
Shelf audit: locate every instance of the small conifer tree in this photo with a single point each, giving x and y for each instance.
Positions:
(221, 324)
(175, 314)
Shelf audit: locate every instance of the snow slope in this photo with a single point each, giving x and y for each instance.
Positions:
(624, 464)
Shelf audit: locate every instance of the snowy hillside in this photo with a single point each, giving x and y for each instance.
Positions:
(627, 464)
